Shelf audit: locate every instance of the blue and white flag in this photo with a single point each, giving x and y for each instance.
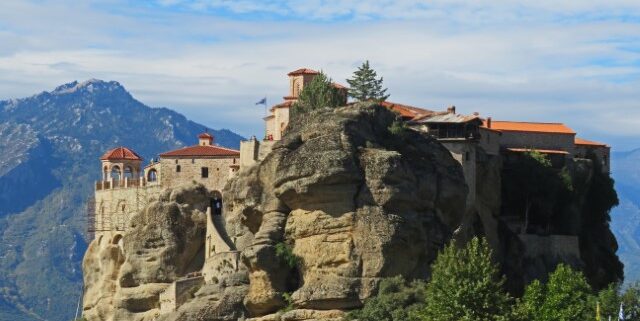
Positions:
(621, 314)
(262, 101)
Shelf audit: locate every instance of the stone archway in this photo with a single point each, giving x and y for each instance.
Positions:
(117, 240)
(152, 175)
(128, 172)
(116, 173)
(216, 203)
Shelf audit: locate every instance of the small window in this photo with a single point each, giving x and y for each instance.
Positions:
(205, 172)
(193, 161)
(176, 161)
(178, 168)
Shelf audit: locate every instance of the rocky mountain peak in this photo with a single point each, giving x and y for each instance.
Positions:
(89, 86)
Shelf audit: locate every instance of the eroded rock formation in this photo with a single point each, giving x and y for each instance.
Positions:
(347, 197)
(124, 275)
(352, 199)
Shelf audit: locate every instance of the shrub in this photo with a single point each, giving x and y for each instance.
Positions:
(397, 300)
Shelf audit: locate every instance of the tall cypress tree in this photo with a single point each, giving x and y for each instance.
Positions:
(365, 85)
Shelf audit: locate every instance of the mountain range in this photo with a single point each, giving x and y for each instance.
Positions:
(625, 218)
(50, 144)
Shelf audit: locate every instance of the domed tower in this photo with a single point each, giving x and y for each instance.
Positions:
(120, 163)
(205, 139)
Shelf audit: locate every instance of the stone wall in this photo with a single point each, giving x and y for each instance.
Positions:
(490, 141)
(464, 151)
(115, 206)
(178, 293)
(563, 142)
(191, 170)
(253, 150)
(601, 152)
(220, 265)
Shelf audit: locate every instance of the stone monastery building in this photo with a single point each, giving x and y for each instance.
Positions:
(125, 187)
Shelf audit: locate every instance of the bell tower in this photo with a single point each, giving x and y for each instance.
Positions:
(205, 139)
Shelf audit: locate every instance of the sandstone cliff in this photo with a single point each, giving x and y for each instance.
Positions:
(346, 198)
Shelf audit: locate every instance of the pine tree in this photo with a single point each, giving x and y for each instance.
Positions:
(318, 93)
(364, 86)
(466, 286)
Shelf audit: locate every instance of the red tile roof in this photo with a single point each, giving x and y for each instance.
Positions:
(205, 135)
(543, 151)
(338, 86)
(195, 151)
(303, 71)
(121, 153)
(406, 111)
(584, 142)
(513, 126)
(285, 104)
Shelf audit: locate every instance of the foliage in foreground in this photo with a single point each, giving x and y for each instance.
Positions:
(397, 300)
(466, 285)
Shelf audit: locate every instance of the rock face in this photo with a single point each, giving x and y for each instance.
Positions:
(124, 277)
(351, 200)
(349, 196)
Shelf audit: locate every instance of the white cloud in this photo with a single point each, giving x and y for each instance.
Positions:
(567, 61)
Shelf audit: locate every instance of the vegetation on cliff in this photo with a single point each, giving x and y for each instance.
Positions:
(365, 86)
(466, 285)
(318, 93)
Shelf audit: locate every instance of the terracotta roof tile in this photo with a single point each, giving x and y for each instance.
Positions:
(205, 135)
(121, 153)
(584, 142)
(406, 111)
(303, 71)
(201, 151)
(338, 86)
(285, 104)
(513, 126)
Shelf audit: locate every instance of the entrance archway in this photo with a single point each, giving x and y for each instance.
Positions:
(216, 203)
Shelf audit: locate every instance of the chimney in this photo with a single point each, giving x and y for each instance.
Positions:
(488, 122)
(451, 110)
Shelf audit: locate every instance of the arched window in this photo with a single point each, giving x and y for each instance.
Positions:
(117, 239)
(178, 168)
(128, 172)
(152, 175)
(115, 173)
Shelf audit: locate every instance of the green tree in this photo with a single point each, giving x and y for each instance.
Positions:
(466, 286)
(567, 297)
(397, 300)
(609, 299)
(364, 85)
(631, 302)
(320, 92)
(530, 305)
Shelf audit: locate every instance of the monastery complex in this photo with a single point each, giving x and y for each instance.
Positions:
(127, 187)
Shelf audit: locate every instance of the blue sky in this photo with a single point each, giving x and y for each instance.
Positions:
(570, 61)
